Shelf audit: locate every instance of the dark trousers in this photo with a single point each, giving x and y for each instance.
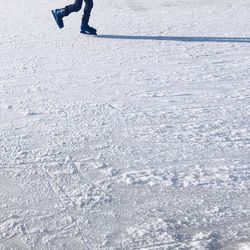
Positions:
(75, 7)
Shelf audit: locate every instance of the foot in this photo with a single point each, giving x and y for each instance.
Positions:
(86, 29)
(58, 15)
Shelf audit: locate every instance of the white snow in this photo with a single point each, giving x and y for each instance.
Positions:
(136, 139)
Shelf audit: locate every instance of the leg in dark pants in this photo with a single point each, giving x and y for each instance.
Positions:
(85, 28)
(87, 11)
(75, 7)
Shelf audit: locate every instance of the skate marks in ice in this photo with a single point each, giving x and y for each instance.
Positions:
(80, 185)
(162, 233)
(10, 115)
(244, 246)
(163, 230)
(9, 187)
(27, 214)
(82, 191)
(156, 5)
(11, 223)
(213, 176)
(137, 5)
(119, 4)
(140, 5)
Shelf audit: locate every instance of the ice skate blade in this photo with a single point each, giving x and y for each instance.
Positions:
(89, 34)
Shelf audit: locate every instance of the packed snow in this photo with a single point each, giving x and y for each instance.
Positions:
(138, 138)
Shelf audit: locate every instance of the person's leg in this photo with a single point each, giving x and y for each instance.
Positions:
(59, 14)
(87, 11)
(75, 7)
(85, 29)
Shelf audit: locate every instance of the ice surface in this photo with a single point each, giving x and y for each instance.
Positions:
(136, 139)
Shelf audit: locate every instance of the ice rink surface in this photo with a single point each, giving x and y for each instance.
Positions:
(136, 139)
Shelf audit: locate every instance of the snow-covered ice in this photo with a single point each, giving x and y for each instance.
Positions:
(136, 139)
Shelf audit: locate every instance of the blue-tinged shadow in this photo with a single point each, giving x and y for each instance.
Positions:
(180, 38)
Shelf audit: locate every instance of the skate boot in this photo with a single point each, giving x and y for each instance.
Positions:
(85, 28)
(58, 14)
